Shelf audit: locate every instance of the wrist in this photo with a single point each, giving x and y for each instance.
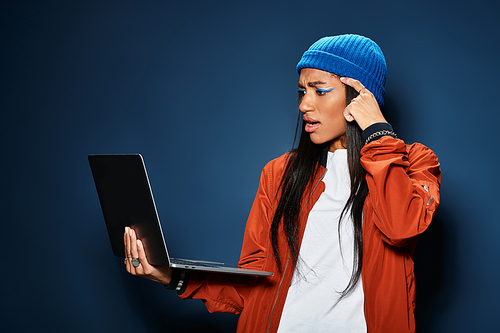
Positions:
(376, 131)
(178, 281)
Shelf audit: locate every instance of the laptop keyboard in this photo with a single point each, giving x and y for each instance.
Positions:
(191, 263)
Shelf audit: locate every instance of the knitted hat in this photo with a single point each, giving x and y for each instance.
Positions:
(353, 56)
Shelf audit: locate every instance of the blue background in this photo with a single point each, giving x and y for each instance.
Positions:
(206, 91)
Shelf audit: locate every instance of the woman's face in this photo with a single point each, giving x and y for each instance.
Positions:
(322, 99)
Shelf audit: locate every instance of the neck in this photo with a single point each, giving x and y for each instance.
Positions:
(338, 143)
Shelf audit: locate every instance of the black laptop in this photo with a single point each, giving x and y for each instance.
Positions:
(127, 200)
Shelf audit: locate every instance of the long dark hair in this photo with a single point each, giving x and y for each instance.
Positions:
(301, 168)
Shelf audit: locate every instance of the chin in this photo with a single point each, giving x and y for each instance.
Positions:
(331, 141)
(317, 141)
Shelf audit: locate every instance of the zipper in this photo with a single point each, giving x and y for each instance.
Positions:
(427, 189)
(313, 190)
(277, 295)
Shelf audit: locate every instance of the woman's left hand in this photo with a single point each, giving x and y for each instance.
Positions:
(134, 249)
(364, 109)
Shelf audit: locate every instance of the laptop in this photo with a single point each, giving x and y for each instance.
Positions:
(127, 200)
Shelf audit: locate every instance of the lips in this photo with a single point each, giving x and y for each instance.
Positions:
(311, 124)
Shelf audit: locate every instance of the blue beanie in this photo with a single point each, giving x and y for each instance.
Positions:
(353, 56)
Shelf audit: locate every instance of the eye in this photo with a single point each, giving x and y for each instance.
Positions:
(300, 93)
(322, 92)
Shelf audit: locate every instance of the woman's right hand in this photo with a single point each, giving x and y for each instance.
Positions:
(364, 108)
(135, 249)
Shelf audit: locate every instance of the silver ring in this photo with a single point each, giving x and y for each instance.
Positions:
(126, 259)
(360, 90)
(136, 262)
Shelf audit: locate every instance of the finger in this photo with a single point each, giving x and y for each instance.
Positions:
(347, 115)
(127, 249)
(353, 83)
(134, 252)
(125, 243)
(125, 246)
(141, 254)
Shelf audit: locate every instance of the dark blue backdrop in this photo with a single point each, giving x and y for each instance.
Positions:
(206, 91)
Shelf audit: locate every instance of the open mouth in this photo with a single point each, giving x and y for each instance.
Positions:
(311, 124)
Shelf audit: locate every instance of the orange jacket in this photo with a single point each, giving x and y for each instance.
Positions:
(403, 182)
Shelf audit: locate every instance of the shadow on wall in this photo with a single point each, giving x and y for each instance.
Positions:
(392, 113)
(434, 267)
(434, 255)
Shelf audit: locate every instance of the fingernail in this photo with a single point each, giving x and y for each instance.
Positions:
(139, 243)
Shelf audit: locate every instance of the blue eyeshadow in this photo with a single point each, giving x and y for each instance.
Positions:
(324, 90)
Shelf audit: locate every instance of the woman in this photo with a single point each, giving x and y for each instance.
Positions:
(336, 218)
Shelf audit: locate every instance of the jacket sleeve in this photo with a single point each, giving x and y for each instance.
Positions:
(256, 242)
(403, 183)
(228, 293)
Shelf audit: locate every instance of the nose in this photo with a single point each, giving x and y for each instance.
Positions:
(306, 104)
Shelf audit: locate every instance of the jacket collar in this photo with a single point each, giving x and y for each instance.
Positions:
(324, 156)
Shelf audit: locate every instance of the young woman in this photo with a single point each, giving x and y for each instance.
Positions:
(336, 219)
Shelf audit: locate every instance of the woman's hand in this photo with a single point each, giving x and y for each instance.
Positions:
(135, 249)
(364, 109)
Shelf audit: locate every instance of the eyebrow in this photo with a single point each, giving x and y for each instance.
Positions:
(312, 84)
